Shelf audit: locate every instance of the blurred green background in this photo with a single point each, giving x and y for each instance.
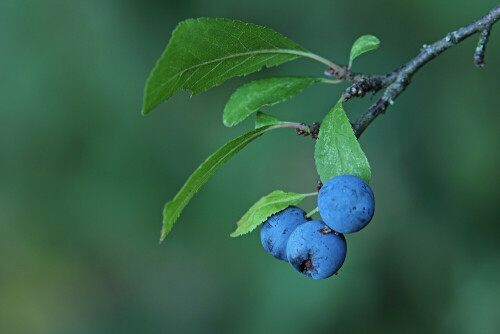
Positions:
(83, 177)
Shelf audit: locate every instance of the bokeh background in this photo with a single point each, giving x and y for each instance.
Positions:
(84, 177)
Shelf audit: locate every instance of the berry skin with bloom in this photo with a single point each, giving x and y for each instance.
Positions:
(315, 250)
(278, 228)
(346, 203)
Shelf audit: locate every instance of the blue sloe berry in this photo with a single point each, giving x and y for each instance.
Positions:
(315, 250)
(346, 203)
(277, 229)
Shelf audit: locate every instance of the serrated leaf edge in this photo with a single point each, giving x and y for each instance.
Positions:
(294, 200)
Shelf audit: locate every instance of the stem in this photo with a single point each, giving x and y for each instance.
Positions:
(329, 81)
(312, 212)
(318, 58)
(294, 125)
(300, 128)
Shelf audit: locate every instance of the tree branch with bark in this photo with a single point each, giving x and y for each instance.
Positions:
(397, 81)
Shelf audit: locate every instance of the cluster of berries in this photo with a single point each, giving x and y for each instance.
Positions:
(315, 248)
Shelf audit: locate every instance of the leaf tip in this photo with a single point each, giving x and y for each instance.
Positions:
(228, 123)
(147, 105)
(166, 227)
(163, 234)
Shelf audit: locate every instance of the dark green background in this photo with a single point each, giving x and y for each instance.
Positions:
(83, 177)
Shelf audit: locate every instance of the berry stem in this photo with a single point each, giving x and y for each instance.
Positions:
(312, 212)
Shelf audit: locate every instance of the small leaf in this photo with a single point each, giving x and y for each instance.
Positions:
(174, 208)
(264, 92)
(265, 207)
(205, 52)
(337, 150)
(262, 119)
(363, 44)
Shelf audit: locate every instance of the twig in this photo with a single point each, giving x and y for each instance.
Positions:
(306, 130)
(397, 81)
(481, 47)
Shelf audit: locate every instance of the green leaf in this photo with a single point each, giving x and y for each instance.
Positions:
(337, 150)
(205, 52)
(264, 92)
(265, 207)
(174, 208)
(363, 44)
(262, 119)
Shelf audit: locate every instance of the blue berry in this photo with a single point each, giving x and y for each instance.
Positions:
(315, 251)
(346, 203)
(277, 229)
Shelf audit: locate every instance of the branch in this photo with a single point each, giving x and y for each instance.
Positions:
(481, 47)
(397, 81)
